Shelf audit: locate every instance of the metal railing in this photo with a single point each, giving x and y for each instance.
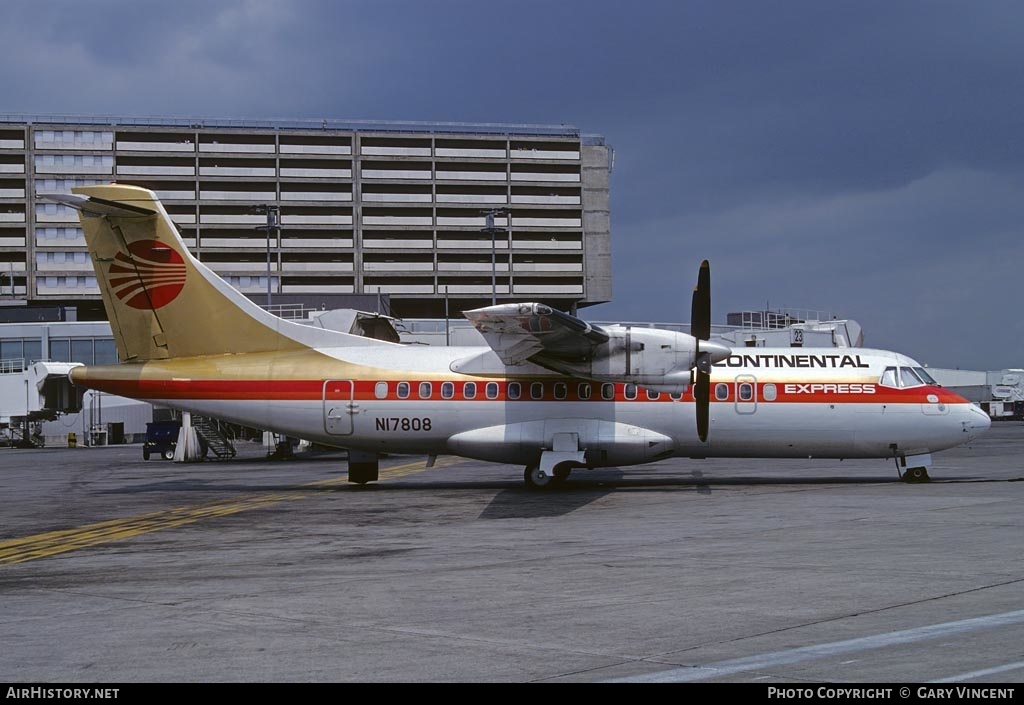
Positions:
(12, 365)
(437, 325)
(783, 317)
(290, 312)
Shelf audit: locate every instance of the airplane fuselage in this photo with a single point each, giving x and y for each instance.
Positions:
(784, 402)
(550, 391)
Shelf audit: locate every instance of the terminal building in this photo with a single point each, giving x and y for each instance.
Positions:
(393, 210)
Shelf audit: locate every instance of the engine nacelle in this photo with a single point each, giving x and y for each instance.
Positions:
(653, 358)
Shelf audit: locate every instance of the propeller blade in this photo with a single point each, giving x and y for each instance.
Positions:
(702, 394)
(700, 309)
(700, 328)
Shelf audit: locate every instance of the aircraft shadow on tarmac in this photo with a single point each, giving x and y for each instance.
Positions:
(520, 503)
(513, 501)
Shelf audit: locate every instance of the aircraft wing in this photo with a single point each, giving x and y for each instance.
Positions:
(517, 332)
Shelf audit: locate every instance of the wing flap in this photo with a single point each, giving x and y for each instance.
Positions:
(517, 332)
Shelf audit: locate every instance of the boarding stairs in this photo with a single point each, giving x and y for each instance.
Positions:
(20, 434)
(216, 436)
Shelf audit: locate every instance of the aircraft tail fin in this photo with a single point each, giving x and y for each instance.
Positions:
(162, 302)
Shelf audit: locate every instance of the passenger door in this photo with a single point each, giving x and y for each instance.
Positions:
(339, 406)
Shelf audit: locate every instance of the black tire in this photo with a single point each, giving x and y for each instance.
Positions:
(533, 480)
(562, 473)
(145, 453)
(168, 454)
(918, 474)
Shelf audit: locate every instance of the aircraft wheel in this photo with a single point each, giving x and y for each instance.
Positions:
(534, 480)
(918, 474)
(562, 474)
(145, 453)
(168, 454)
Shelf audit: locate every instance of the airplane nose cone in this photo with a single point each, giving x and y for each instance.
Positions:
(716, 351)
(977, 423)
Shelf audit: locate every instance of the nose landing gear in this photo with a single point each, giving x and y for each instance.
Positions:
(918, 474)
(916, 468)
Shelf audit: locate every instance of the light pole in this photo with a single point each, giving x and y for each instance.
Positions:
(272, 211)
(489, 228)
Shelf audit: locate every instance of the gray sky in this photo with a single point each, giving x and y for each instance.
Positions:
(861, 157)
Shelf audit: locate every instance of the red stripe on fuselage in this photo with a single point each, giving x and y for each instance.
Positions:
(366, 390)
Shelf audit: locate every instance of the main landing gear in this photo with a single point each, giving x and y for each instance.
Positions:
(363, 467)
(555, 464)
(536, 479)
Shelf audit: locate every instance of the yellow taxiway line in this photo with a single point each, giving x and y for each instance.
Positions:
(28, 548)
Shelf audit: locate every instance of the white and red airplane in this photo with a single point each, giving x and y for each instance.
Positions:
(550, 393)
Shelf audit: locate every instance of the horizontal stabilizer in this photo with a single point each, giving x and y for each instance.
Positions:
(90, 205)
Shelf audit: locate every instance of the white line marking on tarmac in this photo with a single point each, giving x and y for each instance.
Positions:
(971, 675)
(835, 648)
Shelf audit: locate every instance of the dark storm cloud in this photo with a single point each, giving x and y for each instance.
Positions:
(867, 157)
(929, 268)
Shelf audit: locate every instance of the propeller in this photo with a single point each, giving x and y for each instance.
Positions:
(705, 353)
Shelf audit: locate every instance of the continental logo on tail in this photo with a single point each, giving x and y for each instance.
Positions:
(150, 278)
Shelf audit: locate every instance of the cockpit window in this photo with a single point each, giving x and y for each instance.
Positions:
(927, 378)
(908, 378)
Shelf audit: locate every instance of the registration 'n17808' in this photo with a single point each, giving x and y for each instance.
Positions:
(403, 423)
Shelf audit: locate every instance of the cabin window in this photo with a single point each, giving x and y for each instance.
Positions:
(630, 391)
(889, 378)
(537, 390)
(676, 396)
(746, 391)
(403, 390)
(770, 392)
(380, 390)
(561, 390)
(583, 391)
(469, 390)
(491, 390)
(426, 389)
(721, 391)
(652, 395)
(447, 390)
(607, 391)
(908, 378)
(515, 390)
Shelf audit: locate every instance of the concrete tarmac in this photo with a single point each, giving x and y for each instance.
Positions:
(116, 569)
